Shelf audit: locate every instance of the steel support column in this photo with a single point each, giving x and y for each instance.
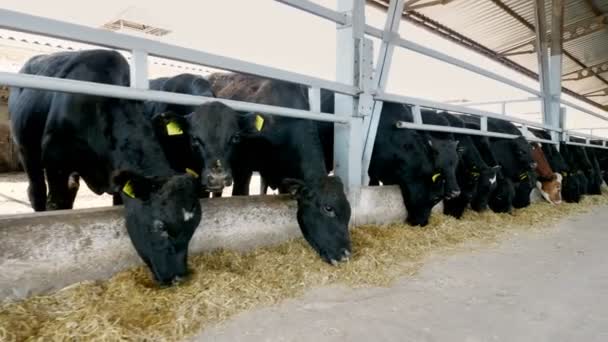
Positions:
(540, 20)
(552, 118)
(385, 56)
(348, 138)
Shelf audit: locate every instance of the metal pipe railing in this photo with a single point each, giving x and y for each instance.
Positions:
(92, 88)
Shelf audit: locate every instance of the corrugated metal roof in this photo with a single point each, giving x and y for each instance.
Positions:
(501, 25)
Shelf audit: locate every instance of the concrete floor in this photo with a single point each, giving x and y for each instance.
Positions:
(13, 194)
(549, 285)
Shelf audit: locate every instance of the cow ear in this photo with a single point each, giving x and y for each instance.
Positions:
(132, 184)
(296, 187)
(253, 123)
(170, 124)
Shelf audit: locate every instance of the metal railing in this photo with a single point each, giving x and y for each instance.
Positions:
(370, 98)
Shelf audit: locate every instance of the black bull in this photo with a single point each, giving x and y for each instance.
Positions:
(111, 145)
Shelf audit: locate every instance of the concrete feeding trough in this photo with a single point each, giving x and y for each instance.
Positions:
(47, 251)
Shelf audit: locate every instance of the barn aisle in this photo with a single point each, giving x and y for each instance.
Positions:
(544, 285)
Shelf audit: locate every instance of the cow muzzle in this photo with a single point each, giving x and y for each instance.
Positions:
(452, 194)
(216, 181)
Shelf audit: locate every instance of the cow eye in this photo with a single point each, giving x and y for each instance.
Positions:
(329, 210)
(236, 139)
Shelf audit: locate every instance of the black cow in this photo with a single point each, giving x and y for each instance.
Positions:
(571, 189)
(436, 152)
(579, 164)
(602, 159)
(111, 145)
(515, 157)
(200, 139)
(595, 174)
(404, 157)
(502, 196)
(289, 155)
(475, 179)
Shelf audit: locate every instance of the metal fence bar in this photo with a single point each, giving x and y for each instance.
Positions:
(139, 70)
(584, 110)
(458, 109)
(348, 139)
(458, 130)
(12, 20)
(98, 89)
(404, 43)
(586, 145)
(486, 103)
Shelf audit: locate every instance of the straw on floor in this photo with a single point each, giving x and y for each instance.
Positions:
(129, 307)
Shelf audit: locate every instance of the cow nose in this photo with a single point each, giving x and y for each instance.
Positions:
(217, 180)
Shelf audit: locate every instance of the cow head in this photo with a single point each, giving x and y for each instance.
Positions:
(502, 198)
(445, 157)
(162, 214)
(487, 184)
(551, 190)
(323, 216)
(523, 154)
(209, 135)
(571, 188)
(523, 188)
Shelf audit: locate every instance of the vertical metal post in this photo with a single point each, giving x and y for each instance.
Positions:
(139, 69)
(540, 20)
(483, 123)
(550, 68)
(562, 124)
(503, 108)
(555, 66)
(314, 99)
(348, 144)
(385, 56)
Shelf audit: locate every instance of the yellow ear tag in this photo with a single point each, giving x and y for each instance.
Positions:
(475, 174)
(565, 174)
(523, 176)
(435, 176)
(259, 122)
(174, 129)
(128, 189)
(192, 172)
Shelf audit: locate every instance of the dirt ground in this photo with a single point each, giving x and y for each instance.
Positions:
(548, 285)
(13, 194)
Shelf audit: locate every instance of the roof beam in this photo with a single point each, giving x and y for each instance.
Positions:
(527, 24)
(571, 32)
(414, 4)
(589, 71)
(598, 93)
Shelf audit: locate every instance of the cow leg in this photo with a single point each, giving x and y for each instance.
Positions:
(63, 187)
(374, 181)
(242, 179)
(217, 194)
(36, 190)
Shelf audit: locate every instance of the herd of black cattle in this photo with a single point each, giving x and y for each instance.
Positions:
(159, 159)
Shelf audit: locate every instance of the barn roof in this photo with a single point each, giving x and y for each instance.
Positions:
(504, 31)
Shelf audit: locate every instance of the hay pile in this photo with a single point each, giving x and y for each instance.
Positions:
(129, 307)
